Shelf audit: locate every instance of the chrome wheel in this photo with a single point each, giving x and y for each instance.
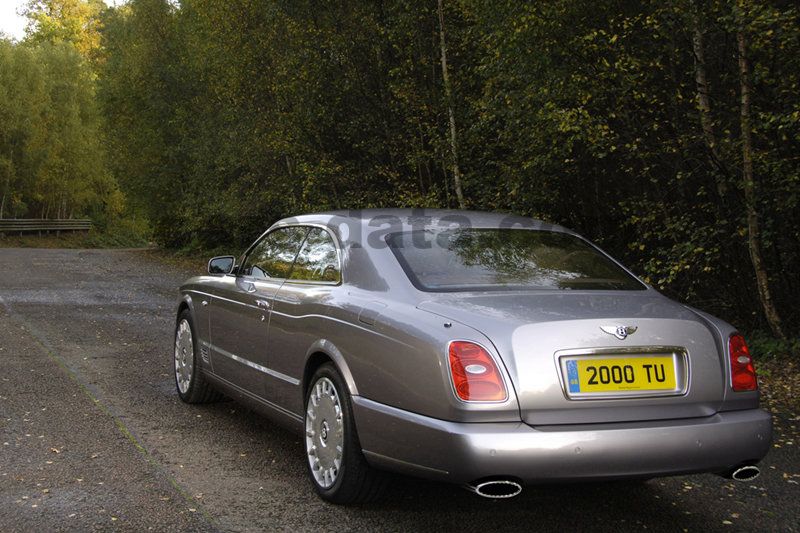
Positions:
(184, 356)
(324, 432)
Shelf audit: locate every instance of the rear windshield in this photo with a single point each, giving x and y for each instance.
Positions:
(505, 259)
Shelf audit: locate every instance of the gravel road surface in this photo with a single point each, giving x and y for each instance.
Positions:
(93, 436)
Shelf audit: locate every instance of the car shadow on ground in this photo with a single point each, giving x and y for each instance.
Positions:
(418, 504)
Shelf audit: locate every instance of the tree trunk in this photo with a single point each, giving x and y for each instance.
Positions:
(446, 186)
(704, 106)
(753, 232)
(6, 191)
(449, 97)
(420, 159)
(289, 167)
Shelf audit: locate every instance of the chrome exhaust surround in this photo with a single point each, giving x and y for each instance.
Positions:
(746, 473)
(496, 489)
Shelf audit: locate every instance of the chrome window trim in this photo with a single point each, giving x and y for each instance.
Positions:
(261, 238)
(679, 354)
(412, 277)
(312, 282)
(336, 244)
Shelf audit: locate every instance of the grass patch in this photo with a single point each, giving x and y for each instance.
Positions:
(192, 257)
(121, 234)
(194, 263)
(65, 240)
(91, 239)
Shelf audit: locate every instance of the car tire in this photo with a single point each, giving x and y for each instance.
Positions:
(190, 381)
(339, 475)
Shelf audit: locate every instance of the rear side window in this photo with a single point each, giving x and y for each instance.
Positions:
(505, 259)
(274, 254)
(318, 260)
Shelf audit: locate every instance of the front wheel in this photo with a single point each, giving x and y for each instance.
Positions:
(336, 466)
(189, 379)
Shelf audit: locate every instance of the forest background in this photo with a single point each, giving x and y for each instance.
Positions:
(666, 131)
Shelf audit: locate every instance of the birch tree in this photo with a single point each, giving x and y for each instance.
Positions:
(749, 186)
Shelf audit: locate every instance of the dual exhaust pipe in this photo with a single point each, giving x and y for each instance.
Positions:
(500, 489)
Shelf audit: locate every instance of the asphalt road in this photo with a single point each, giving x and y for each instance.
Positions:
(93, 436)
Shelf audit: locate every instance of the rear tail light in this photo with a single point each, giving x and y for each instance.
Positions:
(476, 377)
(743, 373)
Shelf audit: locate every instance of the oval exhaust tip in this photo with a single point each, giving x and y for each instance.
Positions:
(746, 473)
(497, 489)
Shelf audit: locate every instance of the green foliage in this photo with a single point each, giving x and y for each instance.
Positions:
(764, 347)
(218, 117)
(66, 21)
(52, 159)
(121, 232)
(224, 116)
(594, 108)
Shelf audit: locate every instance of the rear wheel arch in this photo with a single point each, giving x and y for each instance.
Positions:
(318, 354)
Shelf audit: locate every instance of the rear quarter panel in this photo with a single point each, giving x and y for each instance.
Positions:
(733, 401)
(400, 359)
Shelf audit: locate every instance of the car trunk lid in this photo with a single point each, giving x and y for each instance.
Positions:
(536, 333)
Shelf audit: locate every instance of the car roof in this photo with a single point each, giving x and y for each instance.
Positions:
(362, 237)
(360, 223)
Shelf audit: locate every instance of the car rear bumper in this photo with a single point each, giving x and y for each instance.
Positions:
(398, 440)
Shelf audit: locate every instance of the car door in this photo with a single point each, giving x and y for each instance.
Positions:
(299, 316)
(239, 313)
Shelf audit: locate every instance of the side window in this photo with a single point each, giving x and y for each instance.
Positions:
(273, 256)
(318, 259)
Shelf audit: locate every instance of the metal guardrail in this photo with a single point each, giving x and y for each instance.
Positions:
(37, 225)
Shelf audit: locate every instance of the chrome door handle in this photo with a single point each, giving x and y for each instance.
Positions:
(262, 303)
(204, 302)
(251, 288)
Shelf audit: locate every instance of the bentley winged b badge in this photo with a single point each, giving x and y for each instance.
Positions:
(620, 332)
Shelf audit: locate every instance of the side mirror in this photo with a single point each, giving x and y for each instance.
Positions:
(221, 265)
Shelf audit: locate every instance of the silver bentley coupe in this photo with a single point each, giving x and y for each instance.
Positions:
(480, 349)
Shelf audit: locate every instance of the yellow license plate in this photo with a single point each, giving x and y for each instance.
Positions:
(621, 374)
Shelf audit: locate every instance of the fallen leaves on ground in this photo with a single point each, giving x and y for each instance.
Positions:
(779, 381)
